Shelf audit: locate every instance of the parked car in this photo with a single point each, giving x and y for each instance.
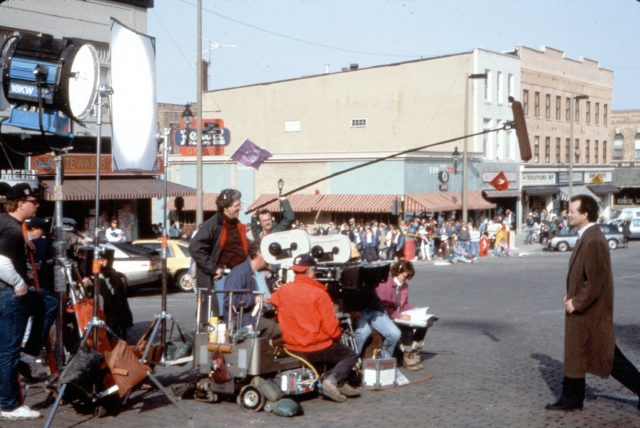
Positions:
(567, 241)
(138, 266)
(178, 260)
(633, 215)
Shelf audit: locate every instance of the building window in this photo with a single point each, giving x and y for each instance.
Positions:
(576, 151)
(596, 152)
(536, 149)
(558, 107)
(637, 146)
(547, 149)
(597, 117)
(618, 147)
(567, 150)
(558, 139)
(536, 104)
(588, 113)
(604, 114)
(500, 87)
(359, 123)
(487, 86)
(547, 106)
(576, 103)
(567, 109)
(292, 126)
(587, 151)
(525, 102)
(604, 151)
(511, 85)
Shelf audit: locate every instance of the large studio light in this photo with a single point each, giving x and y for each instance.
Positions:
(48, 81)
(133, 101)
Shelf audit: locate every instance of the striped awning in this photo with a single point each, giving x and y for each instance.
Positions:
(577, 190)
(120, 188)
(208, 202)
(331, 203)
(445, 201)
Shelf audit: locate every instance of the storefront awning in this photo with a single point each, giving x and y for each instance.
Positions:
(540, 191)
(603, 189)
(331, 203)
(121, 188)
(208, 202)
(509, 193)
(577, 190)
(445, 201)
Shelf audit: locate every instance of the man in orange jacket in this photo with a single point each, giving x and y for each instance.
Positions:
(311, 330)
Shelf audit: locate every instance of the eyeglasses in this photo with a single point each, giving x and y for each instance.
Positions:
(33, 201)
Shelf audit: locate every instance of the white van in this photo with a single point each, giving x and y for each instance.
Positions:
(633, 215)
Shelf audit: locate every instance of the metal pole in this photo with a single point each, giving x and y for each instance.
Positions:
(199, 215)
(165, 163)
(465, 146)
(465, 149)
(60, 282)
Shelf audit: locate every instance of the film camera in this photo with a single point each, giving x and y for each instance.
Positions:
(344, 278)
(84, 256)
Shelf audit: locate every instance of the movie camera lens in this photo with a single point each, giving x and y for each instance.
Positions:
(275, 249)
(317, 252)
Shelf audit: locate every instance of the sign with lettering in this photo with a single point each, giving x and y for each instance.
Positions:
(510, 176)
(214, 138)
(81, 164)
(598, 177)
(538, 178)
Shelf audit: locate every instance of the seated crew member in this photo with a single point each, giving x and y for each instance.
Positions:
(394, 295)
(263, 223)
(247, 276)
(114, 233)
(311, 330)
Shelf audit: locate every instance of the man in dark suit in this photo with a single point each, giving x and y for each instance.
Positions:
(589, 339)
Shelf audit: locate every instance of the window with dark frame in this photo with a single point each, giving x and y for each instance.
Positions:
(547, 106)
(558, 159)
(567, 150)
(536, 149)
(576, 103)
(525, 102)
(597, 114)
(536, 104)
(587, 151)
(604, 151)
(558, 107)
(587, 118)
(604, 114)
(567, 109)
(576, 149)
(547, 149)
(596, 152)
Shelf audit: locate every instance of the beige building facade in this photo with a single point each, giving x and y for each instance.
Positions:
(625, 134)
(558, 92)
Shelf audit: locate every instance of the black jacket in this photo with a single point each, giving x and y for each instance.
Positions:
(205, 250)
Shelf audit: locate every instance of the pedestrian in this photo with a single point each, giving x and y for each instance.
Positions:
(589, 339)
(626, 232)
(114, 233)
(17, 301)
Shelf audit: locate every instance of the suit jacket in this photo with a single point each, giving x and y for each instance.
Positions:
(589, 339)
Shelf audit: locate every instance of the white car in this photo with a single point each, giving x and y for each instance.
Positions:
(138, 266)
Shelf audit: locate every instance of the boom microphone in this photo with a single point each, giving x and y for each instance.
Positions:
(521, 129)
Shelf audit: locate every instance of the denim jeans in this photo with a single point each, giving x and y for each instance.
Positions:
(14, 314)
(383, 325)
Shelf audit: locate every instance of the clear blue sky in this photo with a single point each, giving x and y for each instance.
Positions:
(282, 39)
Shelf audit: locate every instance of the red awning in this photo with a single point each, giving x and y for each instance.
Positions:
(331, 203)
(445, 201)
(120, 188)
(208, 202)
(300, 202)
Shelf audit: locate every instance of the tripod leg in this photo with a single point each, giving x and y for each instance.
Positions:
(54, 409)
(167, 393)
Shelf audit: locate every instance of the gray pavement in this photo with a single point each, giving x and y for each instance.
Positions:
(494, 358)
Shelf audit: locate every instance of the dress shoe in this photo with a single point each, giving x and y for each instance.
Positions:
(564, 404)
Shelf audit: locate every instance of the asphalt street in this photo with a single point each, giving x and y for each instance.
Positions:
(494, 359)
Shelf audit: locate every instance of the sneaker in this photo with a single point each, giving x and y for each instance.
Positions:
(22, 413)
(331, 391)
(348, 391)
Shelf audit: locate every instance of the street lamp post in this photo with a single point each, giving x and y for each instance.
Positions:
(465, 148)
(199, 215)
(575, 99)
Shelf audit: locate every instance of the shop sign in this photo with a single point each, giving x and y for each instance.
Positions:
(512, 177)
(214, 138)
(81, 164)
(13, 177)
(563, 177)
(598, 177)
(538, 178)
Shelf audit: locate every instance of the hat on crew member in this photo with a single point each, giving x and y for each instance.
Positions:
(303, 262)
(19, 191)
